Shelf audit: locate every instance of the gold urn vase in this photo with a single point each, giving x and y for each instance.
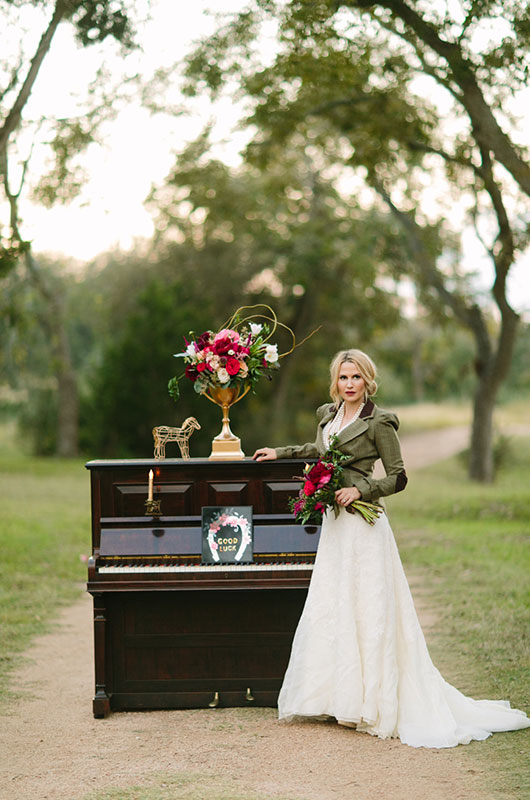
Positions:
(226, 446)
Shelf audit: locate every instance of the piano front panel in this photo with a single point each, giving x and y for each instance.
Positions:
(228, 494)
(276, 496)
(217, 641)
(129, 499)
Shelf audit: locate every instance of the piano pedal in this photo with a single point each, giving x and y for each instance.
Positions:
(215, 702)
(248, 697)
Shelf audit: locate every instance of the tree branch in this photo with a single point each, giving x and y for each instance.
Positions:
(13, 118)
(487, 130)
(470, 316)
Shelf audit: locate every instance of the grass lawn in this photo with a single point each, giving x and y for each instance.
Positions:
(44, 531)
(470, 545)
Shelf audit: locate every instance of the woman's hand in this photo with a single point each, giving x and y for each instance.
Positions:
(265, 454)
(347, 495)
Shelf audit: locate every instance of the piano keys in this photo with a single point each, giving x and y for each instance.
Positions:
(170, 632)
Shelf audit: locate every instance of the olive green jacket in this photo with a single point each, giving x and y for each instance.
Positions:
(372, 436)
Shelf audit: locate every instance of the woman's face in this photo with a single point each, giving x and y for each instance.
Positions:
(350, 384)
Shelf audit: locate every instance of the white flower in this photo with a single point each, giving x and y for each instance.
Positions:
(223, 375)
(271, 353)
(213, 360)
(190, 349)
(255, 328)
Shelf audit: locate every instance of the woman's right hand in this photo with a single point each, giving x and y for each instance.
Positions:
(265, 454)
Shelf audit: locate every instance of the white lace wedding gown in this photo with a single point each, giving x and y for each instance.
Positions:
(359, 654)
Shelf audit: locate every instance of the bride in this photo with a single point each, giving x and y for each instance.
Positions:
(359, 654)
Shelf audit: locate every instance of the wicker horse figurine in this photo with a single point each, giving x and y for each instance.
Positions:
(163, 434)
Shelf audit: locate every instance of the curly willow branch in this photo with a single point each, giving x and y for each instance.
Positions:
(236, 320)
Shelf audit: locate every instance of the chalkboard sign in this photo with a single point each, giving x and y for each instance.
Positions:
(227, 535)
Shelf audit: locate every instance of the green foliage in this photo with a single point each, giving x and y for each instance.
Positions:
(284, 237)
(128, 394)
(419, 362)
(66, 178)
(94, 20)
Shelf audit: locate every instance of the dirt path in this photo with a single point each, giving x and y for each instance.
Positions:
(53, 749)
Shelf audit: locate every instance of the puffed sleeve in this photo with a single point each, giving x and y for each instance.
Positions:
(389, 450)
(307, 450)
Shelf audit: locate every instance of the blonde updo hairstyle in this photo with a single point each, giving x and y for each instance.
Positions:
(364, 364)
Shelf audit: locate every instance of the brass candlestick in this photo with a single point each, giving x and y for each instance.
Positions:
(153, 508)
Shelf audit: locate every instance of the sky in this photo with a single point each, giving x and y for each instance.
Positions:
(138, 150)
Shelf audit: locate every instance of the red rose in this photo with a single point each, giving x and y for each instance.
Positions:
(232, 365)
(201, 366)
(309, 488)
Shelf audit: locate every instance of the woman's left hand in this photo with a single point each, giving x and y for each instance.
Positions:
(347, 495)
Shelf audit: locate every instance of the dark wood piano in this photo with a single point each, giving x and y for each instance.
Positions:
(170, 632)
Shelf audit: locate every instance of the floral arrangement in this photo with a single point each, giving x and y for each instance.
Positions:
(317, 494)
(240, 352)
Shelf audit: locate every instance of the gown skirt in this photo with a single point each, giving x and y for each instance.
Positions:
(359, 653)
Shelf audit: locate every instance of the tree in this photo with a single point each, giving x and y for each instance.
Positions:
(230, 237)
(285, 236)
(346, 78)
(93, 21)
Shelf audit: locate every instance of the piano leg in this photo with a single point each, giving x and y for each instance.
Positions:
(101, 702)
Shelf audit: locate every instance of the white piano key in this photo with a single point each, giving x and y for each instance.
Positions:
(144, 568)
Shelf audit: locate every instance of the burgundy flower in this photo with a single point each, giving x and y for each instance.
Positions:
(203, 340)
(222, 346)
(191, 372)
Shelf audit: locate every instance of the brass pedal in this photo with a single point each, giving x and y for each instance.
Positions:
(215, 702)
(248, 697)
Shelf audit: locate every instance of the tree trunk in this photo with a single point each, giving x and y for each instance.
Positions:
(52, 317)
(418, 383)
(481, 465)
(67, 402)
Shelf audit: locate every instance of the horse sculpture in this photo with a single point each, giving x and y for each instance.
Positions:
(163, 434)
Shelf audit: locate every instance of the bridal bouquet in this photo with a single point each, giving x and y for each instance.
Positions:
(239, 353)
(317, 494)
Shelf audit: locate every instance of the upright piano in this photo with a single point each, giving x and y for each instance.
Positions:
(170, 631)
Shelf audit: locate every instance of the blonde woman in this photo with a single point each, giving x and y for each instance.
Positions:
(359, 654)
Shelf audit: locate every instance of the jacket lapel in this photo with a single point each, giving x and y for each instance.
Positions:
(359, 426)
(352, 431)
(329, 414)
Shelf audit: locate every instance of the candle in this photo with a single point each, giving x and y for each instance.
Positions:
(150, 493)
